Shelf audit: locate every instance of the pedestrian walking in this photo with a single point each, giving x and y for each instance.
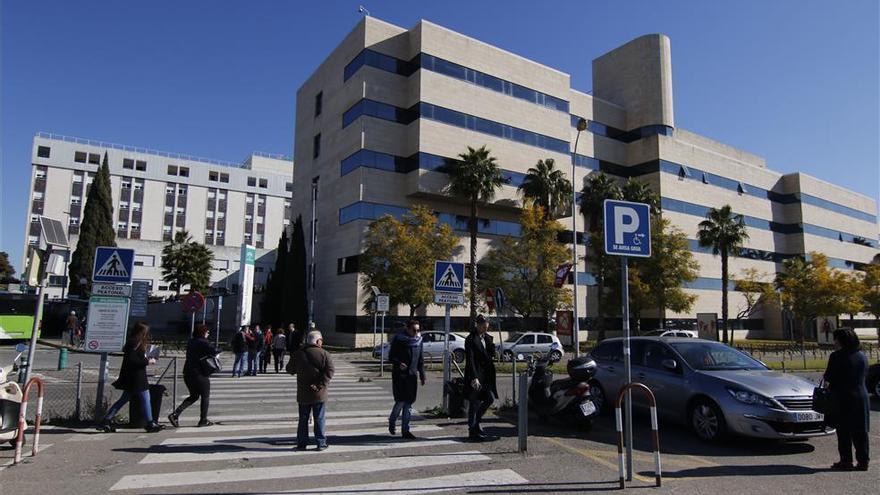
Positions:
(407, 369)
(239, 348)
(294, 340)
(279, 347)
(314, 370)
(196, 376)
(479, 377)
(250, 338)
(70, 327)
(266, 357)
(845, 376)
(133, 379)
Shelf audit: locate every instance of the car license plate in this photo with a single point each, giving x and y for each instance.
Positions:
(588, 408)
(809, 417)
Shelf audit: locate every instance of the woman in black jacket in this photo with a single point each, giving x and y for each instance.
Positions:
(133, 378)
(195, 376)
(845, 376)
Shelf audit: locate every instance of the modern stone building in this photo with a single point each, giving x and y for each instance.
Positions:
(155, 194)
(389, 104)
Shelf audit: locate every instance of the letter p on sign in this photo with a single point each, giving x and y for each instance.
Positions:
(627, 228)
(626, 221)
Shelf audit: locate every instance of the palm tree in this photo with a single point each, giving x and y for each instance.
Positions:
(640, 192)
(724, 232)
(597, 189)
(547, 188)
(474, 176)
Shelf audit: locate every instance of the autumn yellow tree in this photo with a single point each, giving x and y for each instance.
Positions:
(399, 256)
(525, 267)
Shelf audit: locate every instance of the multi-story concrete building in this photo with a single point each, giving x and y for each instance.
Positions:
(155, 194)
(389, 104)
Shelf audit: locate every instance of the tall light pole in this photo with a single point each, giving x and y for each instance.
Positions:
(576, 326)
(312, 256)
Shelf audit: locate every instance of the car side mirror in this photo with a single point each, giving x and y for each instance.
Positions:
(670, 364)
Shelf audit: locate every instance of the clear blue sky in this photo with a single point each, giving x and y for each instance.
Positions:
(795, 81)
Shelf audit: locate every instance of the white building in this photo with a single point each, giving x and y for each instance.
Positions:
(221, 204)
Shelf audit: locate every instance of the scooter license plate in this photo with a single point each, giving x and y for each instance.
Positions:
(588, 408)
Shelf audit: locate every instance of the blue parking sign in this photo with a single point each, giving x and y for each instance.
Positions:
(113, 264)
(627, 228)
(449, 277)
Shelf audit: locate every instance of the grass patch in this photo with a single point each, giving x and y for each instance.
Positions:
(798, 364)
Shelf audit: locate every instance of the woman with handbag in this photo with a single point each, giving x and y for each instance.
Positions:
(845, 377)
(200, 364)
(133, 379)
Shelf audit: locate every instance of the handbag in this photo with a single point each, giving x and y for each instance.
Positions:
(211, 365)
(823, 400)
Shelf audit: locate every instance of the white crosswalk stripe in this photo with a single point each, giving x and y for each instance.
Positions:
(281, 437)
(286, 425)
(493, 478)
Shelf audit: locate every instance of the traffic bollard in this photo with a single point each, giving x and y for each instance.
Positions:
(523, 415)
(79, 381)
(62, 358)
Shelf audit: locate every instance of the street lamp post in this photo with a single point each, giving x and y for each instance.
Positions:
(581, 126)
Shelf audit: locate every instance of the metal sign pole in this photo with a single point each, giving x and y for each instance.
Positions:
(217, 333)
(99, 396)
(382, 354)
(192, 324)
(624, 302)
(446, 358)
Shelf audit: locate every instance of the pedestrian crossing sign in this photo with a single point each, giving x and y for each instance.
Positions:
(449, 277)
(113, 264)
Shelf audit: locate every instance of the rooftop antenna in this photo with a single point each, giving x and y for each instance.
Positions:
(363, 10)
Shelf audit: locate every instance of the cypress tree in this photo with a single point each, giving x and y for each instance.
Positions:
(272, 305)
(95, 230)
(295, 303)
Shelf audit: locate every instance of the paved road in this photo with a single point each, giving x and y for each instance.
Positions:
(250, 451)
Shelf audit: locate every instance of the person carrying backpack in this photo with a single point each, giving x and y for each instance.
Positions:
(279, 346)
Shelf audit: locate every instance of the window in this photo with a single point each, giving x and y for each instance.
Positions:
(128, 163)
(346, 265)
(140, 165)
(172, 169)
(43, 151)
(545, 339)
(122, 225)
(77, 178)
(288, 186)
(35, 218)
(123, 205)
(319, 103)
(264, 183)
(139, 185)
(94, 158)
(183, 172)
(316, 146)
(126, 184)
(169, 190)
(181, 191)
(609, 351)
(80, 157)
(75, 201)
(252, 181)
(224, 177)
(73, 221)
(143, 259)
(213, 176)
(40, 175)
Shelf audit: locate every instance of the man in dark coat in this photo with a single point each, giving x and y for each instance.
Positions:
(845, 376)
(479, 377)
(314, 370)
(239, 348)
(407, 366)
(294, 339)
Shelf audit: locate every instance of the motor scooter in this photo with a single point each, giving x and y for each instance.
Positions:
(10, 400)
(567, 399)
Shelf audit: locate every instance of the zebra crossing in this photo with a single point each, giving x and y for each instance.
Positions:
(250, 446)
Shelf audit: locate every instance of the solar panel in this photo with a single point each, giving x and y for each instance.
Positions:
(52, 233)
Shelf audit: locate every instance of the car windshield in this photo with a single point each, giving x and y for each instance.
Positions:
(710, 356)
(513, 338)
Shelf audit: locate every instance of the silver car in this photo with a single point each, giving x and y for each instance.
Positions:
(710, 387)
(433, 345)
(529, 343)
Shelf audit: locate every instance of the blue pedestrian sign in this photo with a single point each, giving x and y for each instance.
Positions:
(113, 264)
(627, 228)
(449, 277)
(500, 302)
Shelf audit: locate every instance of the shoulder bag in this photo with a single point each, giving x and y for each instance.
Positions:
(211, 364)
(823, 400)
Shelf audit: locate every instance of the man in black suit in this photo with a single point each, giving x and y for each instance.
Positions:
(479, 377)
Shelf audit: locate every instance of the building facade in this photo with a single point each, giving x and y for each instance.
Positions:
(155, 194)
(389, 105)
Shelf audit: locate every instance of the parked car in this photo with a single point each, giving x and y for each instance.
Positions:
(671, 332)
(873, 380)
(710, 387)
(529, 343)
(433, 344)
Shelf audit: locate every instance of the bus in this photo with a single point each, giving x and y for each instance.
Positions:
(16, 316)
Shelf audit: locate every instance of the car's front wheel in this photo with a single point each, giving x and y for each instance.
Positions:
(707, 421)
(458, 355)
(555, 356)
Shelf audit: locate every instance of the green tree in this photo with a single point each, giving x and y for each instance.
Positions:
(398, 256)
(6, 268)
(475, 177)
(547, 188)
(639, 191)
(272, 305)
(870, 289)
(186, 262)
(295, 308)
(670, 266)
(525, 267)
(95, 230)
(597, 189)
(724, 232)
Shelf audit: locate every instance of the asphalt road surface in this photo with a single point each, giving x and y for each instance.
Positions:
(249, 450)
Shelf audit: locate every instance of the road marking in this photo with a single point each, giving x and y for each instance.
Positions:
(649, 458)
(224, 476)
(228, 394)
(593, 457)
(285, 415)
(353, 395)
(286, 425)
(281, 436)
(493, 480)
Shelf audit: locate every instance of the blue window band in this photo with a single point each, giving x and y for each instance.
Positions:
(403, 165)
(606, 130)
(363, 210)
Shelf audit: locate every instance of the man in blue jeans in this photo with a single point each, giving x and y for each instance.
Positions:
(314, 370)
(240, 350)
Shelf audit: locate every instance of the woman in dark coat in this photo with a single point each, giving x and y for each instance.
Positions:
(133, 378)
(845, 376)
(479, 377)
(407, 366)
(197, 381)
